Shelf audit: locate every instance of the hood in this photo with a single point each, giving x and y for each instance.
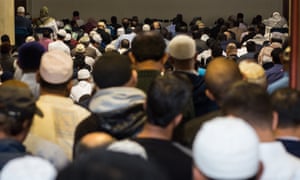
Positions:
(116, 98)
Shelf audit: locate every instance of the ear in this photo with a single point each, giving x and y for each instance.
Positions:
(69, 86)
(209, 95)
(38, 77)
(145, 105)
(132, 58)
(164, 59)
(197, 175)
(275, 121)
(133, 79)
(23, 134)
(177, 119)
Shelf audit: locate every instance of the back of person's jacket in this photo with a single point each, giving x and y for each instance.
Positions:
(10, 149)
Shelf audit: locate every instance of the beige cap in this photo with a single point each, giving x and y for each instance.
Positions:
(21, 9)
(56, 67)
(182, 47)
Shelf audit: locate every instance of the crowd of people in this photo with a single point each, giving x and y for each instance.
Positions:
(97, 100)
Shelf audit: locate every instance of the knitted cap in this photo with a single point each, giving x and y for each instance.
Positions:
(30, 55)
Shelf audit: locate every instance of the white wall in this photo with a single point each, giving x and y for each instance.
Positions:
(209, 10)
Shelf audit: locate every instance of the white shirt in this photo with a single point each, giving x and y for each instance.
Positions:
(278, 164)
(30, 80)
(59, 45)
(80, 89)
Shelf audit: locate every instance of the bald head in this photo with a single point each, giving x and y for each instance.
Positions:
(92, 140)
(96, 139)
(220, 74)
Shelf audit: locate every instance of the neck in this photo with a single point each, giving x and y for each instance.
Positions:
(149, 65)
(156, 132)
(20, 137)
(63, 93)
(265, 135)
(291, 131)
(3, 135)
(184, 65)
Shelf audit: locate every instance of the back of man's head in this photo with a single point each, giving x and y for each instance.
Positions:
(220, 74)
(5, 48)
(104, 164)
(251, 46)
(56, 68)
(226, 148)
(253, 72)
(250, 102)
(286, 102)
(20, 10)
(90, 141)
(125, 43)
(182, 47)
(148, 46)
(112, 70)
(167, 97)
(277, 55)
(30, 55)
(17, 108)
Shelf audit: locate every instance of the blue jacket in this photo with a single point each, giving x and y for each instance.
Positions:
(10, 149)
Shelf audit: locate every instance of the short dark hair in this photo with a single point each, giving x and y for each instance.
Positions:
(125, 43)
(276, 55)
(113, 19)
(5, 38)
(148, 46)
(216, 50)
(117, 67)
(167, 97)
(251, 46)
(250, 102)
(286, 102)
(103, 164)
(75, 13)
(5, 48)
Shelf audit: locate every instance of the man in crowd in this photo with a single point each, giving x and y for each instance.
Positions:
(167, 98)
